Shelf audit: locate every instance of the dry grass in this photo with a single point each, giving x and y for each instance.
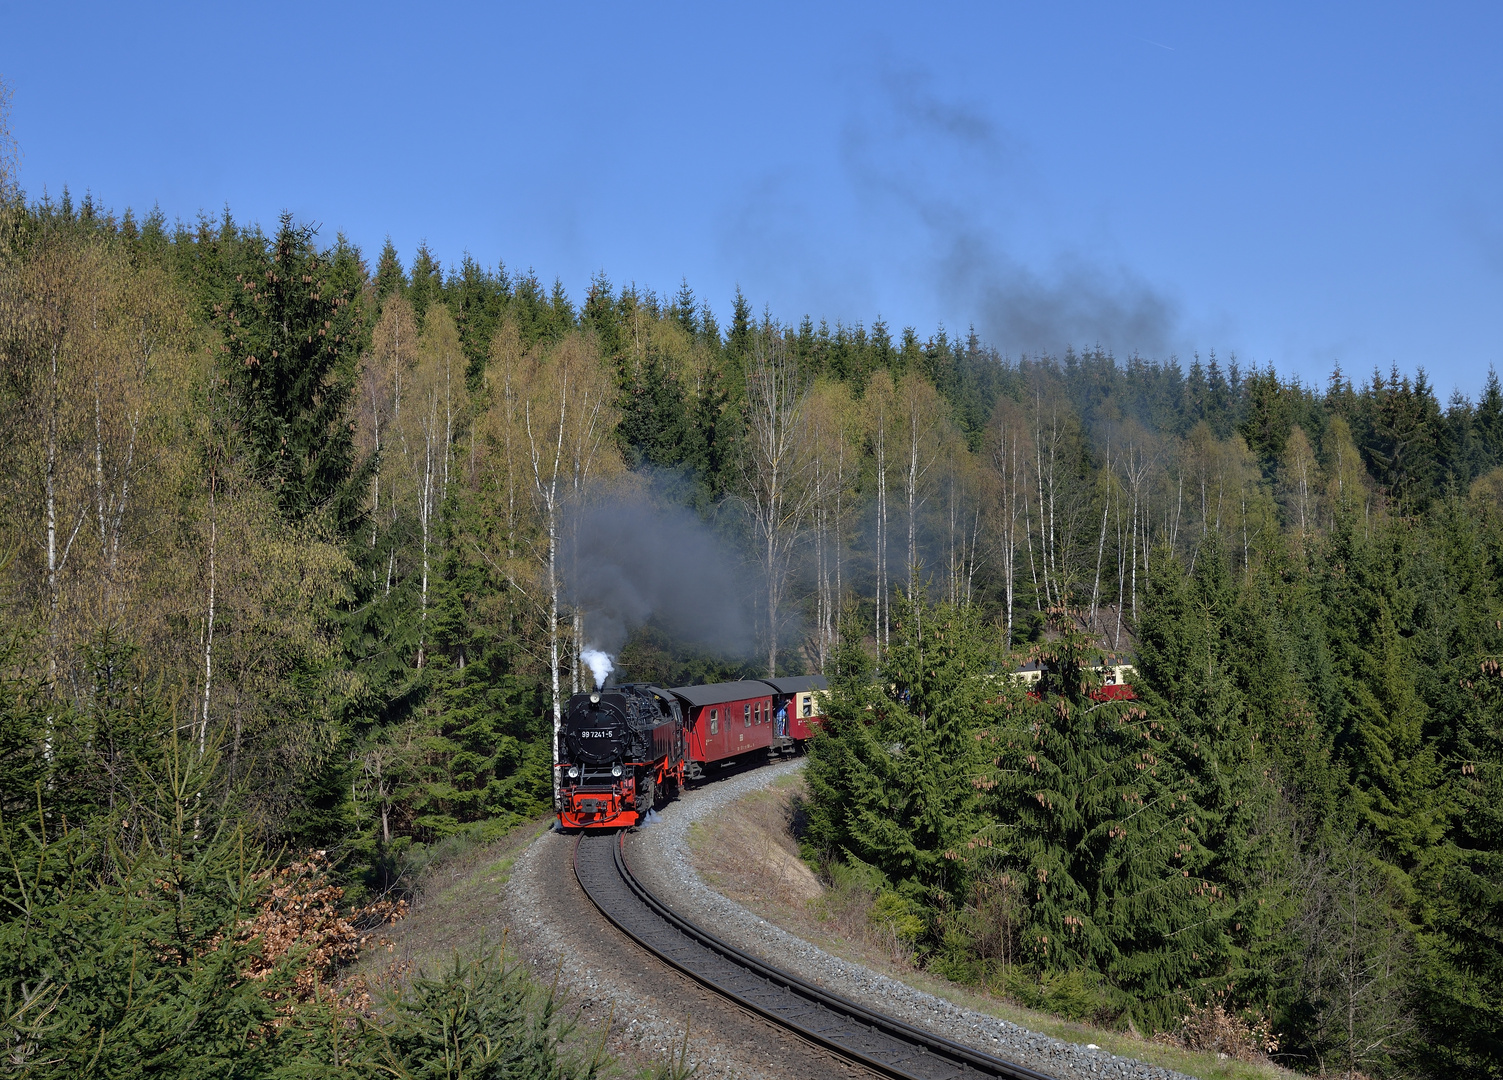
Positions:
(457, 904)
(754, 853)
(457, 907)
(744, 854)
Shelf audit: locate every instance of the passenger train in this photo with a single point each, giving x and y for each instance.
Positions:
(625, 749)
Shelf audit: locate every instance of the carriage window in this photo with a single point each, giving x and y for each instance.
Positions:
(808, 704)
(714, 721)
(746, 716)
(757, 712)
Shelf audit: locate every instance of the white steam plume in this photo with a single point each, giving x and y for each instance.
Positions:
(600, 665)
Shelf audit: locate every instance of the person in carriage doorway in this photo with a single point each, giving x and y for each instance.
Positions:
(782, 724)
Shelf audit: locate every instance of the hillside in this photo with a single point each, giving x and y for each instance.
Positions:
(296, 551)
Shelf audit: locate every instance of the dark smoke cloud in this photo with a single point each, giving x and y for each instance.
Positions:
(963, 181)
(1079, 304)
(631, 558)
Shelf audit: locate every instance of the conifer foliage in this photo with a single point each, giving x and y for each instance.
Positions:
(291, 331)
(280, 570)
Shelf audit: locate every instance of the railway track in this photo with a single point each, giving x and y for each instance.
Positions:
(877, 1042)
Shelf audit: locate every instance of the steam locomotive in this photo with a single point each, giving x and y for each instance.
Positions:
(628, 748)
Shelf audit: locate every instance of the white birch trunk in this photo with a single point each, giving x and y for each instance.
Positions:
(547, 490)
(203, 724)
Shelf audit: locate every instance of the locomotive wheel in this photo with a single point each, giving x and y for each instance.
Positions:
(647, 791)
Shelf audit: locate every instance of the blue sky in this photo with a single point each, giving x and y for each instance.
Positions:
(1296, 184)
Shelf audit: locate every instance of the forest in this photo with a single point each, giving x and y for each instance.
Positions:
(291, 597)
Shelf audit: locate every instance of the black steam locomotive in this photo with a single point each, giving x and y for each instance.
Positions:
(625, 748)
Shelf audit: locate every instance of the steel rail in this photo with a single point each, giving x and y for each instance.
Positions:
(878, 1042)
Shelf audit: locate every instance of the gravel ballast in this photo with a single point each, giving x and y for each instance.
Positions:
(659, 856)
(605, 975)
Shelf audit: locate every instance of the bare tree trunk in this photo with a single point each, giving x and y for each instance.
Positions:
(821, 567)
(55, 560)
(203, 724)
(99, 472)
(777, 493)
(425, 519)
(970, 574)
(953, 585)
(558, 713)
(912, 494)
(579, 644)
(1100, 551)
(547, 490)
(119, 515)
(448, 418)
(772, 612)
(376, 474)
(53, 563)
(839, 496)
(1121, 572)
(884, 617)
(383, 793)
(1039, 596)
(1246, 550)
(1051, 551)
(1179, 503)
(1006, 463)
(110, 510)
(1135, 555)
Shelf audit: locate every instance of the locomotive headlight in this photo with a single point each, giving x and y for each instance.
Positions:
(595, 698)
(573, 771)
(616, 769)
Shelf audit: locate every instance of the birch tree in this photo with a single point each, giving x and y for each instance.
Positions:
(1299, 482)
(437, 396)
(565, 419)
(880, 407)
(386, 373)
(921, 428)
(1059, 504)
(776, 469)
(1008, 450)
(833, 431)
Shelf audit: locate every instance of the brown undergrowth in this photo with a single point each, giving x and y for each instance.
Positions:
(301, 917)
(1215, 1028)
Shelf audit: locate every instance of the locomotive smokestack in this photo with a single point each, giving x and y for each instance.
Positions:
(599, 663)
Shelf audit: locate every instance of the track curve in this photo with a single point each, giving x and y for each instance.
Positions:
(870, 1039)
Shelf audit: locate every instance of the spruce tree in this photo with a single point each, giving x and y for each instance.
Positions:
(427, 285)
(1487, 426)
(390, 277)
(1108, 833)
(738, 342)
(291, 330)
(1383, 738)
(1462, 996)
(1201, 655)
(899, 770)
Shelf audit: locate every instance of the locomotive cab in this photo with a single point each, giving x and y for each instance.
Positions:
(622, 747)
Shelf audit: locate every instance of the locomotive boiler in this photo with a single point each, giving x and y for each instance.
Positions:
(624, 750)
